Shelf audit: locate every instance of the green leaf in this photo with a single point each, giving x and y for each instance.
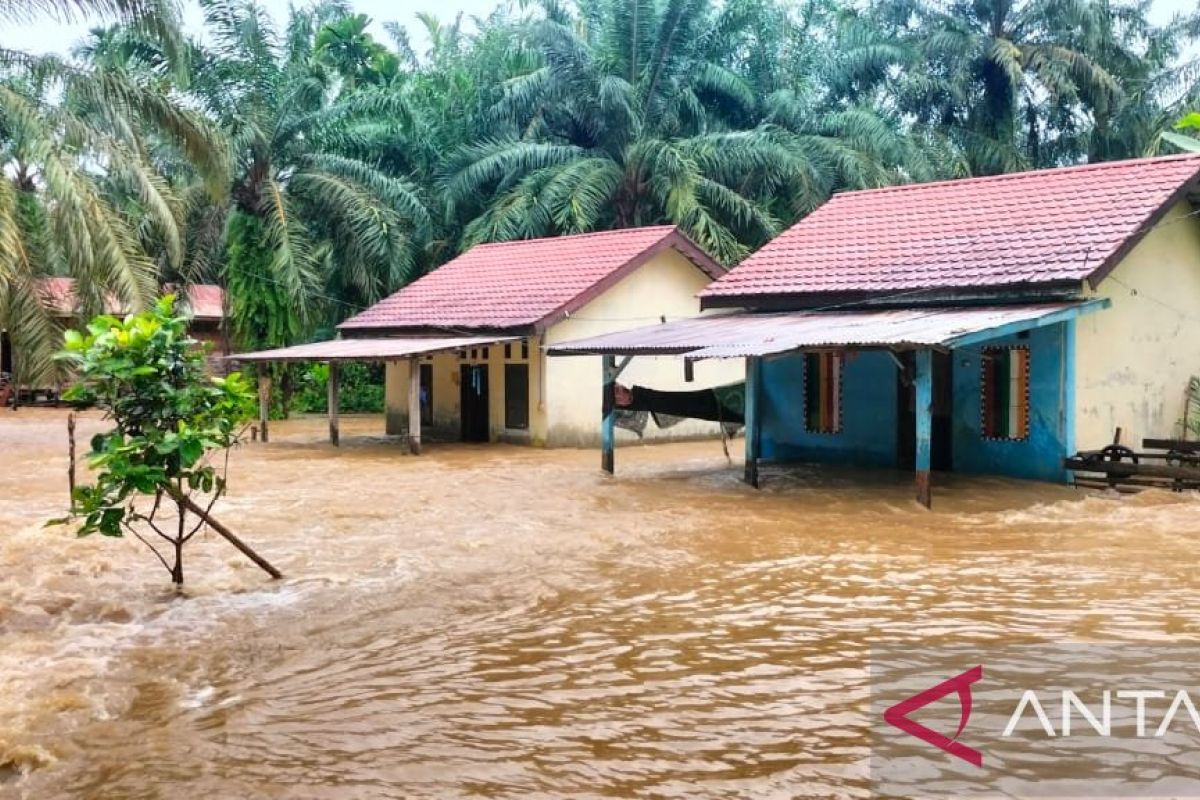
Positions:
(1189, 121)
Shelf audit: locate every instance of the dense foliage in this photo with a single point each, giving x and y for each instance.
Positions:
(360, 388)
(311, 168)
(170, 418)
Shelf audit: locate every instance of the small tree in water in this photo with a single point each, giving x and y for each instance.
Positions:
(171, 419)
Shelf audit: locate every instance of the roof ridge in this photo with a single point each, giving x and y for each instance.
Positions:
(1023, 174)
(589, 234)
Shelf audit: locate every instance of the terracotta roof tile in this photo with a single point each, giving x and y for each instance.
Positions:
(206, 300)
(523, 283)
(1028, 227)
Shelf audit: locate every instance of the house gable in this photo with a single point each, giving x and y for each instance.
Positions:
(1031, 235)
(1134, 360)
(665, 285)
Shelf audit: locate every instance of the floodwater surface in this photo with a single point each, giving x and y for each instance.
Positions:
(492, 621)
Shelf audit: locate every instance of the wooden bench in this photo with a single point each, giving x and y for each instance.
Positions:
(1175, 466)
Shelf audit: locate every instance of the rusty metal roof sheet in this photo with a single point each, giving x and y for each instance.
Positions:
(747, 334)
(383, 349)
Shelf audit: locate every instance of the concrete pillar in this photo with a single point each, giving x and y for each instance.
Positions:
(924, 416)
(395, 397)
(414, 406)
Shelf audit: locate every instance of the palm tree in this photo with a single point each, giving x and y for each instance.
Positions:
(78, 188)
(995, 76)
(303, 221)
(633, 115)
(345, 46)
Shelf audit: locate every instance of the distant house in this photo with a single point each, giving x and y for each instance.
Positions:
(510, 299)
(203, 301)
(988, 325)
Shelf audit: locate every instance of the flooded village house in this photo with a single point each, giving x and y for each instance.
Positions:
(464, 345)
(988, 325)
(204, 302)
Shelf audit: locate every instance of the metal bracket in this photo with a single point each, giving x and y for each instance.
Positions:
(905, 375)
(616, 371)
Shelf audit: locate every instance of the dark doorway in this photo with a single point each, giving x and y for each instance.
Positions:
(427, 394)
(941, 456)
(474, 402)
(516, 396)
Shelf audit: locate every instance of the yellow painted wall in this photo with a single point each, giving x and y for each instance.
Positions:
(395, 397)
(1133, 360)
(664, 286)
(564, 392)
(447, 372)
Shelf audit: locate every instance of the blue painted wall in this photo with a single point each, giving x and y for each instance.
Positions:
(868, 436)
(1038, 456)
(869, 412)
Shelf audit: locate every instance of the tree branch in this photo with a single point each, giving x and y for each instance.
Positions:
(146, 542)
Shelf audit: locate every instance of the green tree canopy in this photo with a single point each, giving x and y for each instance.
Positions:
(170, 419)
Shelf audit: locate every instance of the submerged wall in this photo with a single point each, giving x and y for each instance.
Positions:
(869, 413)
(447, 392)
(871, 416)
(1039, 455)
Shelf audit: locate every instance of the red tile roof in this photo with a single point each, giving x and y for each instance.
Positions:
(525, 283)
(1024, 228)
(206, 301)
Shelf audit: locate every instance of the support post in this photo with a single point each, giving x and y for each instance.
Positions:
(71, 457)
(753, 422)
(608, 406)
(264, 398)
(1067, 415)
(611, 370)
(414, 406)
(924, 415)
(334, 402)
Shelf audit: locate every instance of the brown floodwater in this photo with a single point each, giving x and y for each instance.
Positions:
(492, 621)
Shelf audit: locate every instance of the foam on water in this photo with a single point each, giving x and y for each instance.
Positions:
(507, 622)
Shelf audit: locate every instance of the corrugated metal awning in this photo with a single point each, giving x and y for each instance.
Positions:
(383, 349)
(749, 334)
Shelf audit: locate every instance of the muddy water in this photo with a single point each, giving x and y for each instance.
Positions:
(505, 622)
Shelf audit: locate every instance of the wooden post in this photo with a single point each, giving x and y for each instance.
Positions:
(414, 406)
(753, 423)
(334, 398)
(229, 536)
(71, 456)
(924, 416)
(264, 398)
(608, 405)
